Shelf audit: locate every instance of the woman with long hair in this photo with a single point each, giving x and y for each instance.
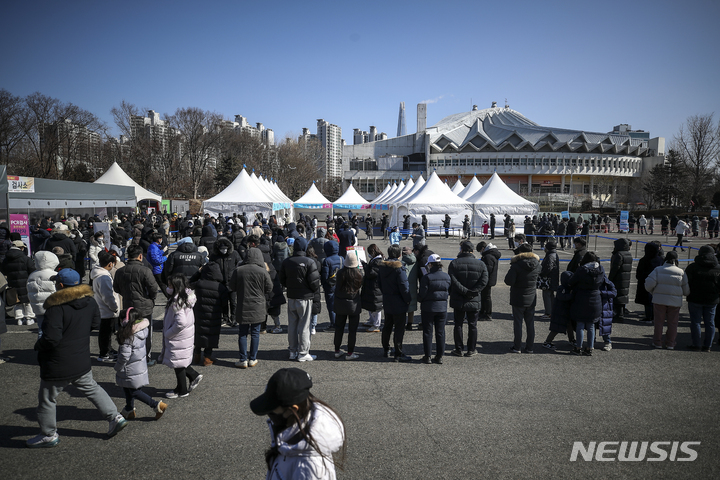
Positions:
(347, 303)
(371, 296)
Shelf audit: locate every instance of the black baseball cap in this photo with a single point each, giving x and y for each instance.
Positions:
(287, 386)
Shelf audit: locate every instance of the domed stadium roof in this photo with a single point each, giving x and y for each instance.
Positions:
(499, 129)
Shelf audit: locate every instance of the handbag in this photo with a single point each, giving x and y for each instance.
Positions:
(543, 283)
(11, 297)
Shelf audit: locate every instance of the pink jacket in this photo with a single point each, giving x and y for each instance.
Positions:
(178, 333)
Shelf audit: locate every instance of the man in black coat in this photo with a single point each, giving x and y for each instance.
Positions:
(186, 260)
(224, 254)
(620, 270)
(64, 356)
(393, 283)
(137, 286)
(490, 257)
(299, 274)
(522, 279)
(17, 267)
(468, 277)
(347, 239)
(580, 250)
(446, 225)
(384, 225)
(492, 226)
(60, 238)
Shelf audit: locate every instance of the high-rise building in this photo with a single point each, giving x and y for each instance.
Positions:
(401, 121)
(72, 144)
(330, 137)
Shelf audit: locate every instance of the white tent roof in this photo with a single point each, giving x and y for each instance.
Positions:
(472, 187)
(313, 199)
(399, 193)
(243, 194)
(385, 194)
(458, 187)
(434, 200)
(434, 192)
(495, 192)
(385, 190)
(117, 176)
(277, 189)
(420, 184)
(351, 200)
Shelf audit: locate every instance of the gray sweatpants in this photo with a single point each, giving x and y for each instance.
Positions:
(299, 315)
(49, 390)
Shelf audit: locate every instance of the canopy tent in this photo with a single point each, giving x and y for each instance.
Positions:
(117, 176)
(281, 205)
(388, 187)
(497, 198)
(313, 201)
(377, 203)
(472, 187)
(433, 200)
(242, 195)
(458, 187)
(399, 193)
(420, 184)
(351, 200)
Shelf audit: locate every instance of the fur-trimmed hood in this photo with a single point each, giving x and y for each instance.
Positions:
(393, 263)
(67, 295)
(527, 260)
(524, 255)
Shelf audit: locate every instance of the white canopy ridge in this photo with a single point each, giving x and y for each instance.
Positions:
(115, 175)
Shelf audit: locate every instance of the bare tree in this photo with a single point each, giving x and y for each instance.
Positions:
(11, 133)
(300, 164)
(698, 144)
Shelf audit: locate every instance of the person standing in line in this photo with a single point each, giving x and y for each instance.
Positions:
(39, 285)
(652, 259)
(492, 226)
(579, 244)
(137, 286)
(157, 259)
(446, 225)
(316, 304)
(642, 225)
(371, 297)
(300, 276)
(608, 293)
(131, 372)
(560, 321)
(369, 225)
(433, 297)
(406, 226)
(179, 336)
(393, 284)
(466, 227)
(212, 296)
(620, 270)
(586, 308)
(424, 223)
(331, 265)
(64, 357)
(227, 258)
(395, 237)
(412, 267)
(490, 257)
(667, 284)
(680, 231)
(703, 278)
(252, 282)
(347, 304)
(108, 302)
(550, 272)
(522, 280)
(418, 236)
(17, 267)
(384, 226)
(468, 278)
(347, 239)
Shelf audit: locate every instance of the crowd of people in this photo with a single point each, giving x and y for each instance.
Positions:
(239, 271)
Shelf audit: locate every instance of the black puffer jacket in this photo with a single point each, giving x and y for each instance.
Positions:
(434, 291)
(491, 257)
(575, 262)
(652, 259)
(61, 240)
(211, 296)
(550, 267)
(137, 286)
(227, 262)
(254, 286)
(704, 278)
(585, 284)
(5, 243)
(64, 348)
(621, 269)
(522, 279)
(207, 240)
(347, 297)
(17, 267)
(394, 286)
(186, 260)
(371, 296)
(468, 277)
(300, 275)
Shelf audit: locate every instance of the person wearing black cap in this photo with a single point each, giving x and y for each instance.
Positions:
(307, 436)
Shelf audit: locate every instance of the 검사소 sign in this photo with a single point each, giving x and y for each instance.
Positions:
(20, 184)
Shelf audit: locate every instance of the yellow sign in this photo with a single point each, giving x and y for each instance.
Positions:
(21, 184)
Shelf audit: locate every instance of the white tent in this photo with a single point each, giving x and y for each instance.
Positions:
(387, 188)
(458, 187)
(117, 176)
(376, 204)
(351, 200)
(472, 187)
(313, 201)
(398, 201)
(390, 201)
(242, 195)
(381, 204)
(434, 200)
(496, 197)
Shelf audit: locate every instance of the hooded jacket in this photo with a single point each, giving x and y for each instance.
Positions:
(227, 262)
(412, 267)
(652, 259)
(280, 253)
(621, 269)
(299, 274)
(667, 284)
(131, 365)
(318, 244)
(346, 298)
(522, 279)
(468, 277)
(208, 239)
(178, 333)
(393, 284)
(371, 296)
(156, 257)
(703, 277)
(490, 257)
(212, 296)
(108, 301)
(550, 267)
(186, 260)
(39, 285)
(331, 265)
(64, 347)
(560, 318)
(58, 239)
(434, 291)
(608, 292)
(254, 288)
(347, 239)
(137, 287)
(17, 268)
(586, 283)
(577, 257)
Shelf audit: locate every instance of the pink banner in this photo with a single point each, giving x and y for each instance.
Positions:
(20, 223)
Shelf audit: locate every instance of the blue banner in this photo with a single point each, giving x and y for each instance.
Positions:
(565, 214)
(714, 213)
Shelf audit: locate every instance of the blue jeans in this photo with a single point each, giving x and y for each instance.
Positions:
(330, 304)
(702, 313)
(313, 321)
(579, 331)
(253, 329)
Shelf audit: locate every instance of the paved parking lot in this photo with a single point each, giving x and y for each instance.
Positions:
(496, 415)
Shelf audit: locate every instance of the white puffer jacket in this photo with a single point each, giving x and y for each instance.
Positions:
(108, 301)
(299, 460)
(39, 285)
(668, 285)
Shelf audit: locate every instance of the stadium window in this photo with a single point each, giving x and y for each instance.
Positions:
(485, 162)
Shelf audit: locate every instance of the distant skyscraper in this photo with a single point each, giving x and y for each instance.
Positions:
(331, 138)
(401, 121)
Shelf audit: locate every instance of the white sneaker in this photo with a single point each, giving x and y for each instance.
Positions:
(19, 321)
(117, 424)
(339, 354)
(293, 355)
(352, 356)
(312, 331)
(194, 383)
(242, 364)
(41, 441)
(307, 358)
(252, 363)
(607, 347)
(29, 321)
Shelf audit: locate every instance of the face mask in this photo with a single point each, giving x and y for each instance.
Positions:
(516, 244)
(169, 290)
(223, 251)
(278, 420)
(101, 241)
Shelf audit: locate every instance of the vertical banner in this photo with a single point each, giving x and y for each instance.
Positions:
(19, 223)
(714, 213)
(565, 214)
(624, 226)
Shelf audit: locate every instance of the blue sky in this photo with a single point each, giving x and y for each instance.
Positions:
(579, 65)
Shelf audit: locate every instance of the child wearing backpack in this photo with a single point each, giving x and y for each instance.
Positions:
(131, 366)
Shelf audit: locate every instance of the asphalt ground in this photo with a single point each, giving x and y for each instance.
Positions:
(495, 415)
